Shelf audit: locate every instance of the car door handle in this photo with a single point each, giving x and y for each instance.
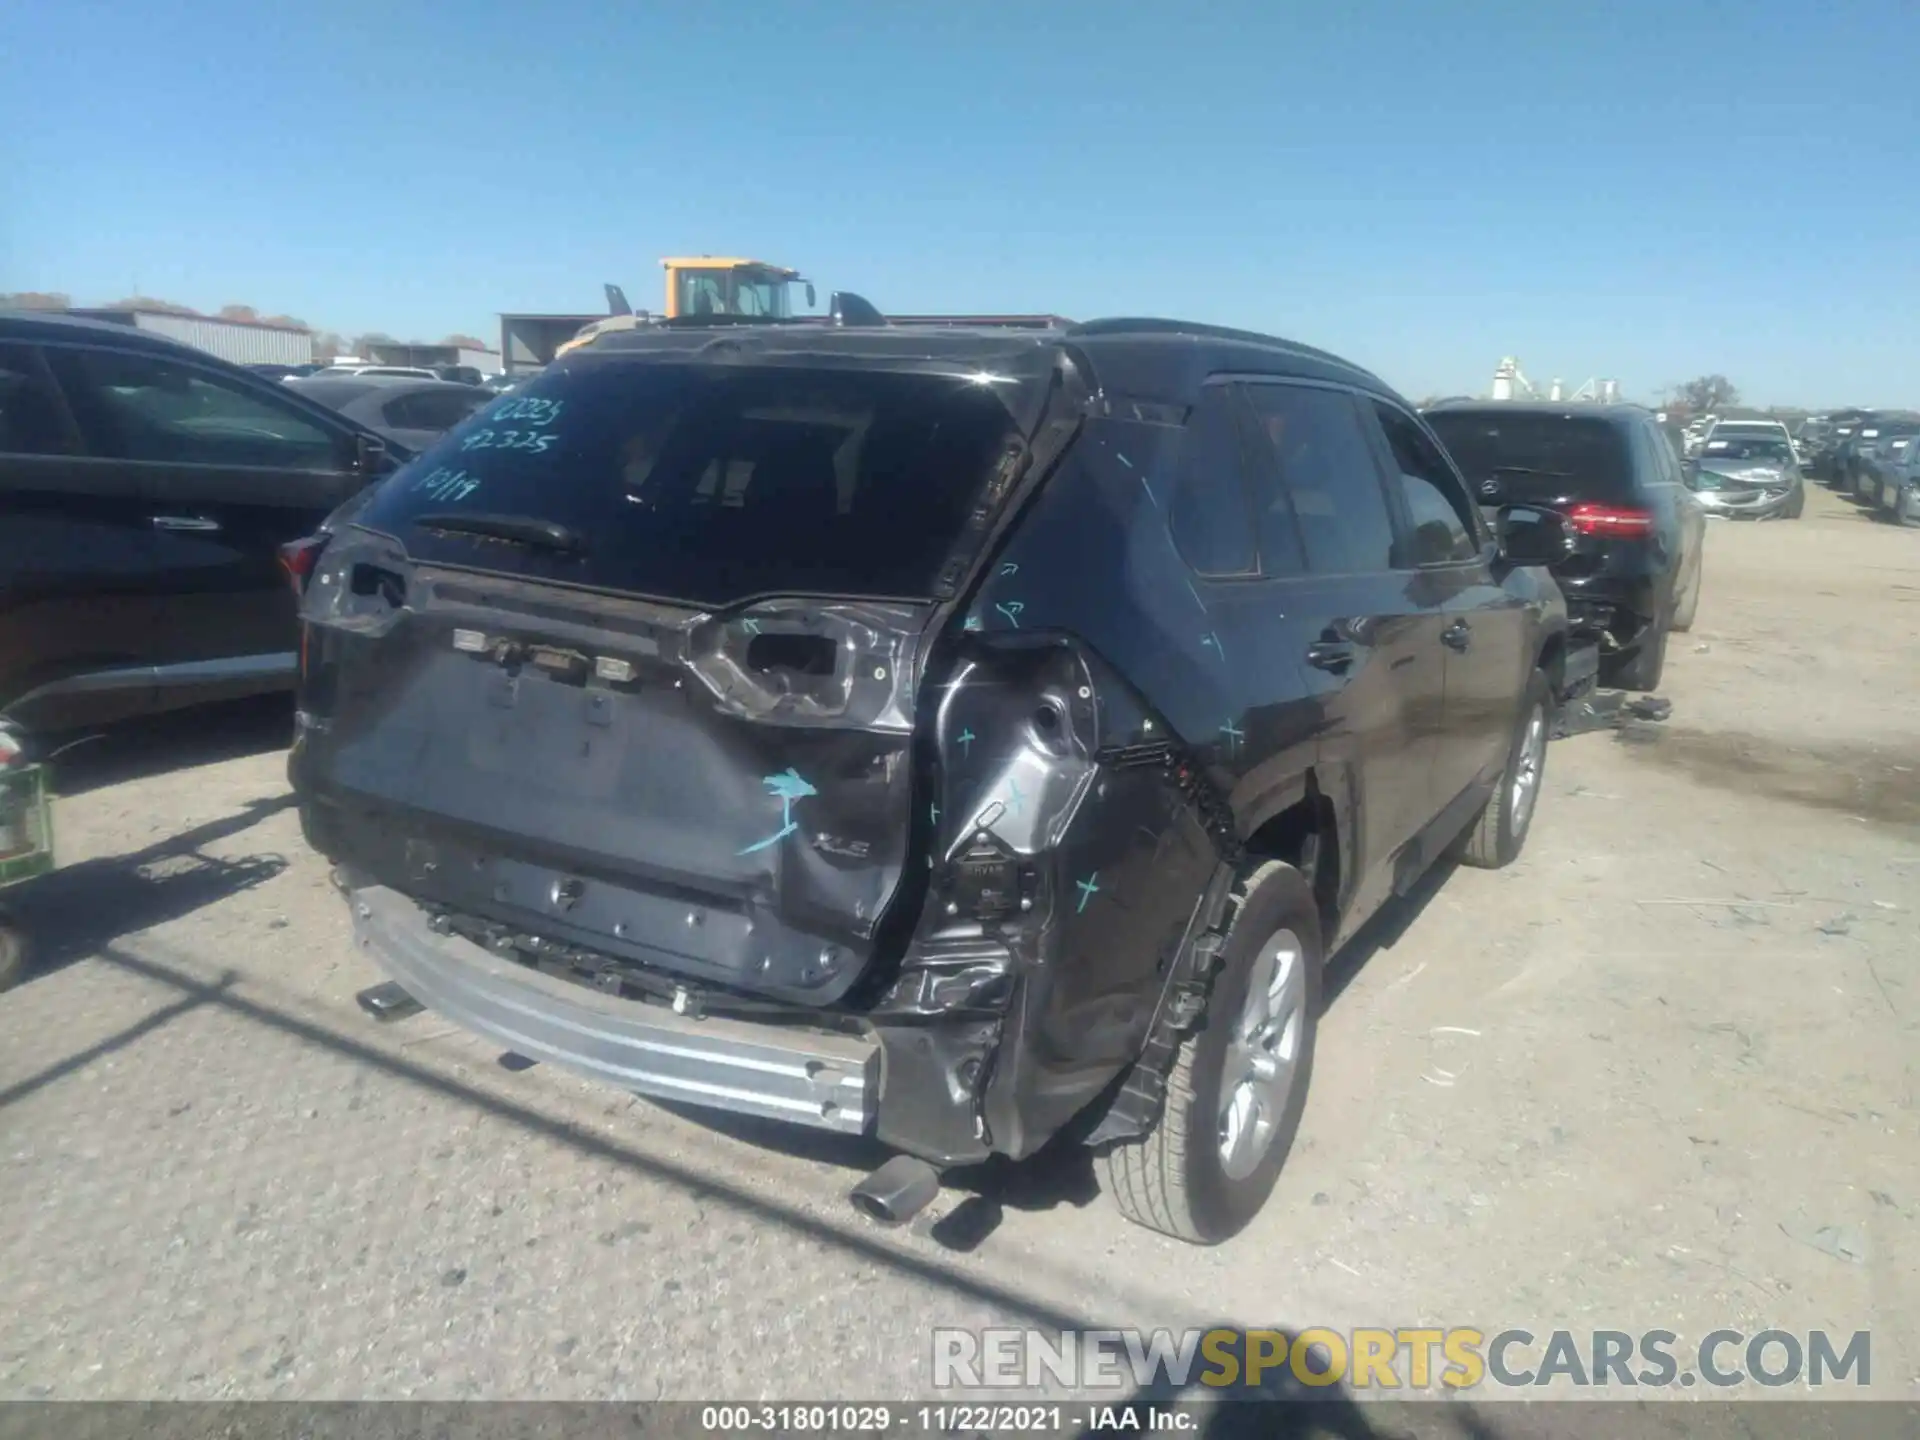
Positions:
(1334, 655)
(197, 524)
(1457, 636)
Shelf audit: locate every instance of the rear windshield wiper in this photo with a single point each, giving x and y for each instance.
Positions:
(521, 529)
(1529, 470)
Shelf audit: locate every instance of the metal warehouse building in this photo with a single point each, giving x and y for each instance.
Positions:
(245, 342)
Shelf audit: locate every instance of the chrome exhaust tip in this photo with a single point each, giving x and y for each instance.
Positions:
(897, 1191)
(387, 1003)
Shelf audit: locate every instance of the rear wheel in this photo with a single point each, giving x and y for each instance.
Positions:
(1690, 604)
(13, 954)
(1238, 1084)
(1497, 837)
(1642, 669)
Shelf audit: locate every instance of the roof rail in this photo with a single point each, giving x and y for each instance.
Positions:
(1149, 325)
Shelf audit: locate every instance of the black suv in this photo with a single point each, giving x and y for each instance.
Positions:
(966, 736)
(145, 491)
(1632, 570)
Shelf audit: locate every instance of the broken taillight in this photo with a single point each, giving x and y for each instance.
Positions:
(1610, 522)
(844, 665)
(299, 557)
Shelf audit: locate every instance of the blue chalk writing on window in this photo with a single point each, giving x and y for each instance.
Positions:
(447, 484)
(1009, 568)
(527, 409)
(536, 441)
(1234, 735)
(788, 787)
(1088, 888)
(1011, 609)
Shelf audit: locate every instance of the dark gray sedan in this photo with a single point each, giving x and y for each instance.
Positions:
(412, 413)
(1751, 477)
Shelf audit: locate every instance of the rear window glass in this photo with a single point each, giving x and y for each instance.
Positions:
(712, 485)
(1538, 458)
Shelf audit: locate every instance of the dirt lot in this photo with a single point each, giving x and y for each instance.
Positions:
(1660, 1073)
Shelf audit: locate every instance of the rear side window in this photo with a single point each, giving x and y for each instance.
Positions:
(1323, 483)
(432, 409)
(1210, 516)
(714, 484)
(1537, 457)
(1444, 531)
(29, 412)
(148, 407)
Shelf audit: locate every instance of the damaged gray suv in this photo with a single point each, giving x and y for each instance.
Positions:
(963, 737)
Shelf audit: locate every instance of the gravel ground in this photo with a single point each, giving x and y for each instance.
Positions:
(1658, 1074)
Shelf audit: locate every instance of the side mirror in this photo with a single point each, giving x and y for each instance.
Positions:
(369, 455)
(1529, 535)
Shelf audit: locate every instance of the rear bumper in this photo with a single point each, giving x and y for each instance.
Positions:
(806, 1077)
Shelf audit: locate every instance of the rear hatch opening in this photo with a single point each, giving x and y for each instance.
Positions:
(622, 676)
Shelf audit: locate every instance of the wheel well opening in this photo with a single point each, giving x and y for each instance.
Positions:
(1304, 836)
(1553, 660)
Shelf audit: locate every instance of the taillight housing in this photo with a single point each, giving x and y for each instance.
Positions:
(298, 558)
(1610, 522)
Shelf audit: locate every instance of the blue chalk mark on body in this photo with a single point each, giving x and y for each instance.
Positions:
(789, 787)
(972, 622)
(1197, 600)
(1016, 797)
(1011, 609)
(1234, 736)
(966, 737)
(1088, 888)
(1010, 568)
(1214, 640)
(752, 627)
(1123, 459)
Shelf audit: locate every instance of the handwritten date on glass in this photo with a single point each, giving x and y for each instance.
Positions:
(447, 484)
(489, 439)
(528, 410)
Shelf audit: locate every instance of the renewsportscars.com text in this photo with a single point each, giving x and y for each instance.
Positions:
(1403, 1359)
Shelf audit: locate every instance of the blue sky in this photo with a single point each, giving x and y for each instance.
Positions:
(1642, 191)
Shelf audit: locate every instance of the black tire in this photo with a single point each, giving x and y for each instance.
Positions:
(1496, 838)
(1175, 1178)
(13, 955)
(1690, 605)
(1795, 509)
(1642, 669)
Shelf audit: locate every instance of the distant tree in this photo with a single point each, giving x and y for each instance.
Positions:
(464, 342)
(148, 303)
(244, 313)
(36, 300)
(290, 322)
(328, 347)
(372, 337)
(1709, 393)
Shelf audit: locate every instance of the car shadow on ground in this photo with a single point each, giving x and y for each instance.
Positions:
(137, 750)
(74, 912)
(1302, 1410)
(1062, 1172)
